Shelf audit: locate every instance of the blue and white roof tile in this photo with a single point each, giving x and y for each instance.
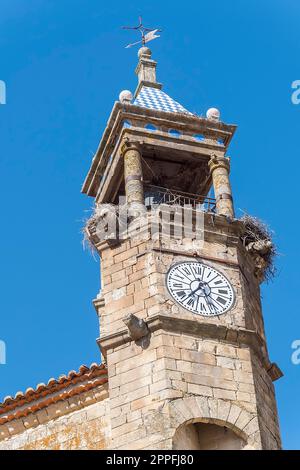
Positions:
(153, 98)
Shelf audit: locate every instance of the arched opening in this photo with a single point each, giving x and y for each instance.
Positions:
(205, 436)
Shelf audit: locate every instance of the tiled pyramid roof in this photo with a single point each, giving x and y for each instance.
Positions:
(153, 98)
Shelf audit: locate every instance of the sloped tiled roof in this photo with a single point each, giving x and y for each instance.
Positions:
(153, 98)
(85, 379)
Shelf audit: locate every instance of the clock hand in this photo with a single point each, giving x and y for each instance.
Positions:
(214, 304)
(199, 287)
(193, 292)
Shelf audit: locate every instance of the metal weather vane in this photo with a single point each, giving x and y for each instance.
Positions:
(148, 34)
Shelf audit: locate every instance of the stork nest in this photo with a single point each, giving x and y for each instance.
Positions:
(258, 241)
(105, 215)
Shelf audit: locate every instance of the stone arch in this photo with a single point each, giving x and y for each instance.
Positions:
(197, 409)
(198, 435)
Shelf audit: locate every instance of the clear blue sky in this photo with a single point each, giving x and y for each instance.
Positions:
(64, 65)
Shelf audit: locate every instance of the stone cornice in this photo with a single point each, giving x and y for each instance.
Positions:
(168, 323)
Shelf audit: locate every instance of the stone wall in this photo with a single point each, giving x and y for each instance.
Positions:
(222, 360)
(133, 278)
(176, 366)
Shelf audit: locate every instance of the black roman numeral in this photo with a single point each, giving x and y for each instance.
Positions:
(178, 275)
(221, 300)
(222, 291)
(181, 293)
(187, 271)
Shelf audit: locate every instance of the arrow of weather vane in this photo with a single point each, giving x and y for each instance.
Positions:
(148, 34)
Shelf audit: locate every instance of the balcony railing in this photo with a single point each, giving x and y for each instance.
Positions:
(159, 195)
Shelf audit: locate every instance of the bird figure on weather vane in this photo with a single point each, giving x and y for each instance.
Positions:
(148, 34)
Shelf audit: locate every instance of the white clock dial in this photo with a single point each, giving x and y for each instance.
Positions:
(200, 288)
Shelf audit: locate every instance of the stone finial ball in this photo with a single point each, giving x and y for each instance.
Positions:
(125, 96)
(213, 114)
(144, 51)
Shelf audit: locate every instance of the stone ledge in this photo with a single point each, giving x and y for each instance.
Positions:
(237, 337)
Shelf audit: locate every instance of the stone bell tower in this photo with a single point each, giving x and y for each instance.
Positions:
(181, 326)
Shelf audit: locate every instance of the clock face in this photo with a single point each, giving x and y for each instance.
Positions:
(200, 288)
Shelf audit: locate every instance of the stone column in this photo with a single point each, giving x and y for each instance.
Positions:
(133, 173)
(219, 168)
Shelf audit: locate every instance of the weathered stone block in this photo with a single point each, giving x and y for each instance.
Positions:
(200, 390)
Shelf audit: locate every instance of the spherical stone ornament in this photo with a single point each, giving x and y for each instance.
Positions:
(213, 114)
(125, 96)
(144, 51)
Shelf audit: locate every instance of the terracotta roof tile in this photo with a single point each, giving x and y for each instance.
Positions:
(54, 385)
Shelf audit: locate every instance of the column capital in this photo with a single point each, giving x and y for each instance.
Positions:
(130, 145)
(218, 162)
